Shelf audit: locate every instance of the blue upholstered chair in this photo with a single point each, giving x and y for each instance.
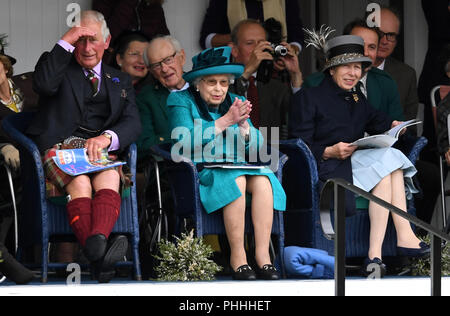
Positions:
(42, 221)
(184, 182)
(302, 219)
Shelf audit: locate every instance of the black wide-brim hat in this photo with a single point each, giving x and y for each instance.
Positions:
(346, 49)
(11, 59)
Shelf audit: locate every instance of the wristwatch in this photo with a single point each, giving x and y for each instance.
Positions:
(107, 135)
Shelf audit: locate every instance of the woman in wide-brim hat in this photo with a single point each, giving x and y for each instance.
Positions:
(329, 118)
(212, 125)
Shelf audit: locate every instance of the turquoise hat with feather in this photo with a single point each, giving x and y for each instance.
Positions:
(214, 61)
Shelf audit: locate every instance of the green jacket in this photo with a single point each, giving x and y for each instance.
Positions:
(382, 91)
(152, 105)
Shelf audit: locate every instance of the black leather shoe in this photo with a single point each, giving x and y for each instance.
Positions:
(104, 270)
(375, 268)
(267, 272)
(95, 247)
(244, 273)
(423, 252)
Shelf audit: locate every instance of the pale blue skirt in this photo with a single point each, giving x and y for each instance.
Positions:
(370, 166)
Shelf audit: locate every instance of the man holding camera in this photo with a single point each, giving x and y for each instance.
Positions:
(270, 99)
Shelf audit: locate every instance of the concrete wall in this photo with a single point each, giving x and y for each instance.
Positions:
(34, 26)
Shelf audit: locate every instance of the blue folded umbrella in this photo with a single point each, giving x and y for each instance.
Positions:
(308, 263)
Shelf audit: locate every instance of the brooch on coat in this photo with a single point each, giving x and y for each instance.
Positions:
(356, 97)
(115, 79)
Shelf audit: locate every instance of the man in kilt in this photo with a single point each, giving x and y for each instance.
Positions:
(83, 99)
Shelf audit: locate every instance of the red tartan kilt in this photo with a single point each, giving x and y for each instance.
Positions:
(56, 180)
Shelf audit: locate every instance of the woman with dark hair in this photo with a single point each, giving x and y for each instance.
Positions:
(11, 101)
(129, 51)
(329, 118)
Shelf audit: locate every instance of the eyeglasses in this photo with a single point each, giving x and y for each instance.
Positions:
(213, 82)
(391, 36)
(135, 55)
(166, 61)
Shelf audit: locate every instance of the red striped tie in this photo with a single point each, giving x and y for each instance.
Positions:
(94, 81)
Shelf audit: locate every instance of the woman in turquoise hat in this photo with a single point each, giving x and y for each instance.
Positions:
(212, 125)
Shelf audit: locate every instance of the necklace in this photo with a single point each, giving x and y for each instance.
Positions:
(15, 100)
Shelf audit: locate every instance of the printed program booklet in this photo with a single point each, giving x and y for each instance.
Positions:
(234, 166)
(76, 162)
(387, 139)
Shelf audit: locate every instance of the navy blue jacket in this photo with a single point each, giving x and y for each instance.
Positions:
(59, 79)
(326, 115)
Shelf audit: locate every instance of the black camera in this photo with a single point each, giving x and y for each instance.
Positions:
(274, 31)
(279, 51)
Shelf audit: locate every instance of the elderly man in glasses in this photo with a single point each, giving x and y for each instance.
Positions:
(165, 59)
(404, 75)
(406, 79)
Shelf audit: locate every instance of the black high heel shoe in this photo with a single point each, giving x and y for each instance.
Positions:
(267, 272)
(423, 252)
(244, 273)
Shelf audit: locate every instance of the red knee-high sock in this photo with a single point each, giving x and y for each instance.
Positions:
(79, 213)
(105, 212)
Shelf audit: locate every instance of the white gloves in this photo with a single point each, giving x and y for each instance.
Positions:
(11, 155)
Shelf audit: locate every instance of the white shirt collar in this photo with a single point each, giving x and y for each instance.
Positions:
(382, 65)
(185, 87)
(363, 80)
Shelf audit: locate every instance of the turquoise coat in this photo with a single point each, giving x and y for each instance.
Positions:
(195, 138)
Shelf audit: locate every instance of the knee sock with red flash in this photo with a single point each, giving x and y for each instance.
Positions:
(105, 212)
(79, 213)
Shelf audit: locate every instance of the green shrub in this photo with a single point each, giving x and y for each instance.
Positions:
(422, 267)
(186, 259)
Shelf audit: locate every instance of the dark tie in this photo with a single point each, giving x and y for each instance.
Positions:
(252, 96)
(94, 81)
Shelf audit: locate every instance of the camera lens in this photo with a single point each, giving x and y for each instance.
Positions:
(280, 50)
